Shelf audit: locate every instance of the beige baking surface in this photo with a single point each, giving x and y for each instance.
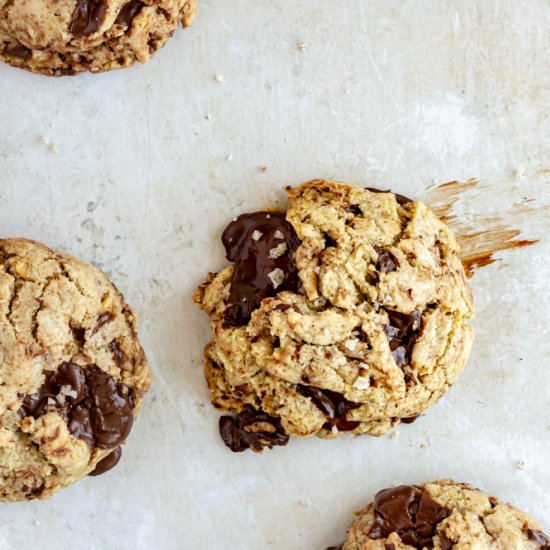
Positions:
(152, 163)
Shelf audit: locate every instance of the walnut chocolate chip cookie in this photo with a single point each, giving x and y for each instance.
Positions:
(442, 515)
(72, 371)
(67, 37)
(348, 312)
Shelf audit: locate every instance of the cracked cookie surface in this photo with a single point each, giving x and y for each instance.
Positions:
(72, 371)
(442, 515)
(66, 37)
(348, 312)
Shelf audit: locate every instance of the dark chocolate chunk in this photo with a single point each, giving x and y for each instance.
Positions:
(386, 261)
(96, 408)
(20, 51)
(333, 405)
(107, 463)
(262, 247)
(409, 419)
(401, 199)
(408, 511)
(402, 331)
(339, 547)
(128, 12)
(538, 537)
(87, 17)
(247, 430)
(103, 320)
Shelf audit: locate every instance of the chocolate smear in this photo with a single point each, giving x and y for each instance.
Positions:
(333, 405)
(87, 17)
(402, 331)
(107, 463)
(251, 429)
(408, 511)
(401, 199)
(262, 247)
(487, 235)
(96, 408)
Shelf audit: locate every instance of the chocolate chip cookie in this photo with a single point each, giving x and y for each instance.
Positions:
(67, 37)
(442, 515)
(348, 312)
(72, 371)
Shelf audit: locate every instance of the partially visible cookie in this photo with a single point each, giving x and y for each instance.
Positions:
(348, 312)
(66, 37)
(72, 371)
(442, 515)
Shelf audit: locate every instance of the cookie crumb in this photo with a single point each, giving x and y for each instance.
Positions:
(520, 465)
(263, 168)
(302, 46)
(45, 140)
(54, 148)
(256, 235)
(351, 344)
(278, 251)
(362, 383)
(229, 157)
(208, 116)
(394, 436)
(218, 77)
(304, 502)
(276, 277)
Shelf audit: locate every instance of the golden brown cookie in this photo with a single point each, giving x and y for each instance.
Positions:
(443, 515)
(66, 37)
(348, 312)
(72, 371)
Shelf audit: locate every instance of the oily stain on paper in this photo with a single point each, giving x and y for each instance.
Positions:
(492, 235)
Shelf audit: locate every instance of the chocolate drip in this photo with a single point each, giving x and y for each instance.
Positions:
(251, 429)
(402, 331)
(410, 512)
(333, 405)
(262, 247)
(96, 408)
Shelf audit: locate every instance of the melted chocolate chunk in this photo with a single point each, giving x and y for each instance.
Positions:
(333, 405)
(107, 463)
(402, 331)
(128, 12)
(247, 431)
(408, 511)
(262, 247)
(96, 408)
(538, 537)
(87, 17)
(401, 199)
(20, 51)
(386, 261)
